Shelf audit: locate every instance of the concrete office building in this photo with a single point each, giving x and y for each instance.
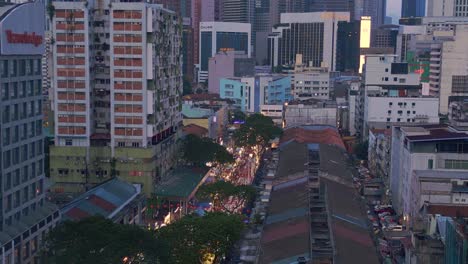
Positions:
(413, 8)
(391, 95)
(25, 214)
(227, 64)
(448, 8)
(221, 36)
(311, 83)
(314, 35)
(425, 152)
(118, 82)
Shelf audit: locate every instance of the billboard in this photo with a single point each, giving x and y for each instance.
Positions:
(22, 30)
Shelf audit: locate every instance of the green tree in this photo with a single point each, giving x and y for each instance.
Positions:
(219, 192)
(237, 115)
(193, 238)
(99, 240)
(257, 130)
(361, 150)
(198, 151)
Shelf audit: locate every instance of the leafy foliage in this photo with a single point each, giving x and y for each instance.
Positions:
(237, 115)
(361, 150)
(199, 151)
(219, 192)
(257, 130)
(193, 238)
(98, 240)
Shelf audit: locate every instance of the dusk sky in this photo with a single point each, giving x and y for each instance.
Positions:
(394, 9)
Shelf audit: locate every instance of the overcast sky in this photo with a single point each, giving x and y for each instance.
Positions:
(394, 9)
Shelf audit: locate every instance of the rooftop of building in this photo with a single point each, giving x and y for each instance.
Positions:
(432, 133)
(298, 218)
(181, 183)
(317, 103)
(201, 97)
(193, 129)
(191, 111)
(448, 210)
(319, 134)
(385, 132)
(442, 174)
(25, 223)
(348, 218)
(104, 199)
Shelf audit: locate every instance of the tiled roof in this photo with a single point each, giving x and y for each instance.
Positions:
(313, 134)
(193, 129)
(102, 200)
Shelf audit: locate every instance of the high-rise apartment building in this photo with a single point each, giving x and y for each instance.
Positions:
(457, 8)
(413, 8)
(117, 91)
(314, 35)
(25, 215)
(221, 36)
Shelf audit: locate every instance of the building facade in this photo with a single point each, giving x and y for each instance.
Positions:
(221, 36)
(297, 31)
(117, 89)
(310, 112)
(391, 95)
(249, 93)
(419, 155)
(448, 8)
(25, 214)
(227, 64)
(413, 8)
(311, 83)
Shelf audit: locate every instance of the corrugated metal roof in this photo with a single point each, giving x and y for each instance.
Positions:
(101, 200)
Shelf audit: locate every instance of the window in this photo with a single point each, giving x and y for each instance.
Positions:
(395, 79)
(430, 164)
(228, 93)
(5, 91)
(398, 120)
(386, 79)
(402, 80)
(4, 68)
(388, 119)
(389, 112)
(386, 69)
(408, 112)
(456, 164)
(68, 142)
(390, 104)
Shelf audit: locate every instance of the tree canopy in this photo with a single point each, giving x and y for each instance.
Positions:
(219, 192)
(99, 240)
(193, 239)
(199, 151)
(237, 115)
(257, 130)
